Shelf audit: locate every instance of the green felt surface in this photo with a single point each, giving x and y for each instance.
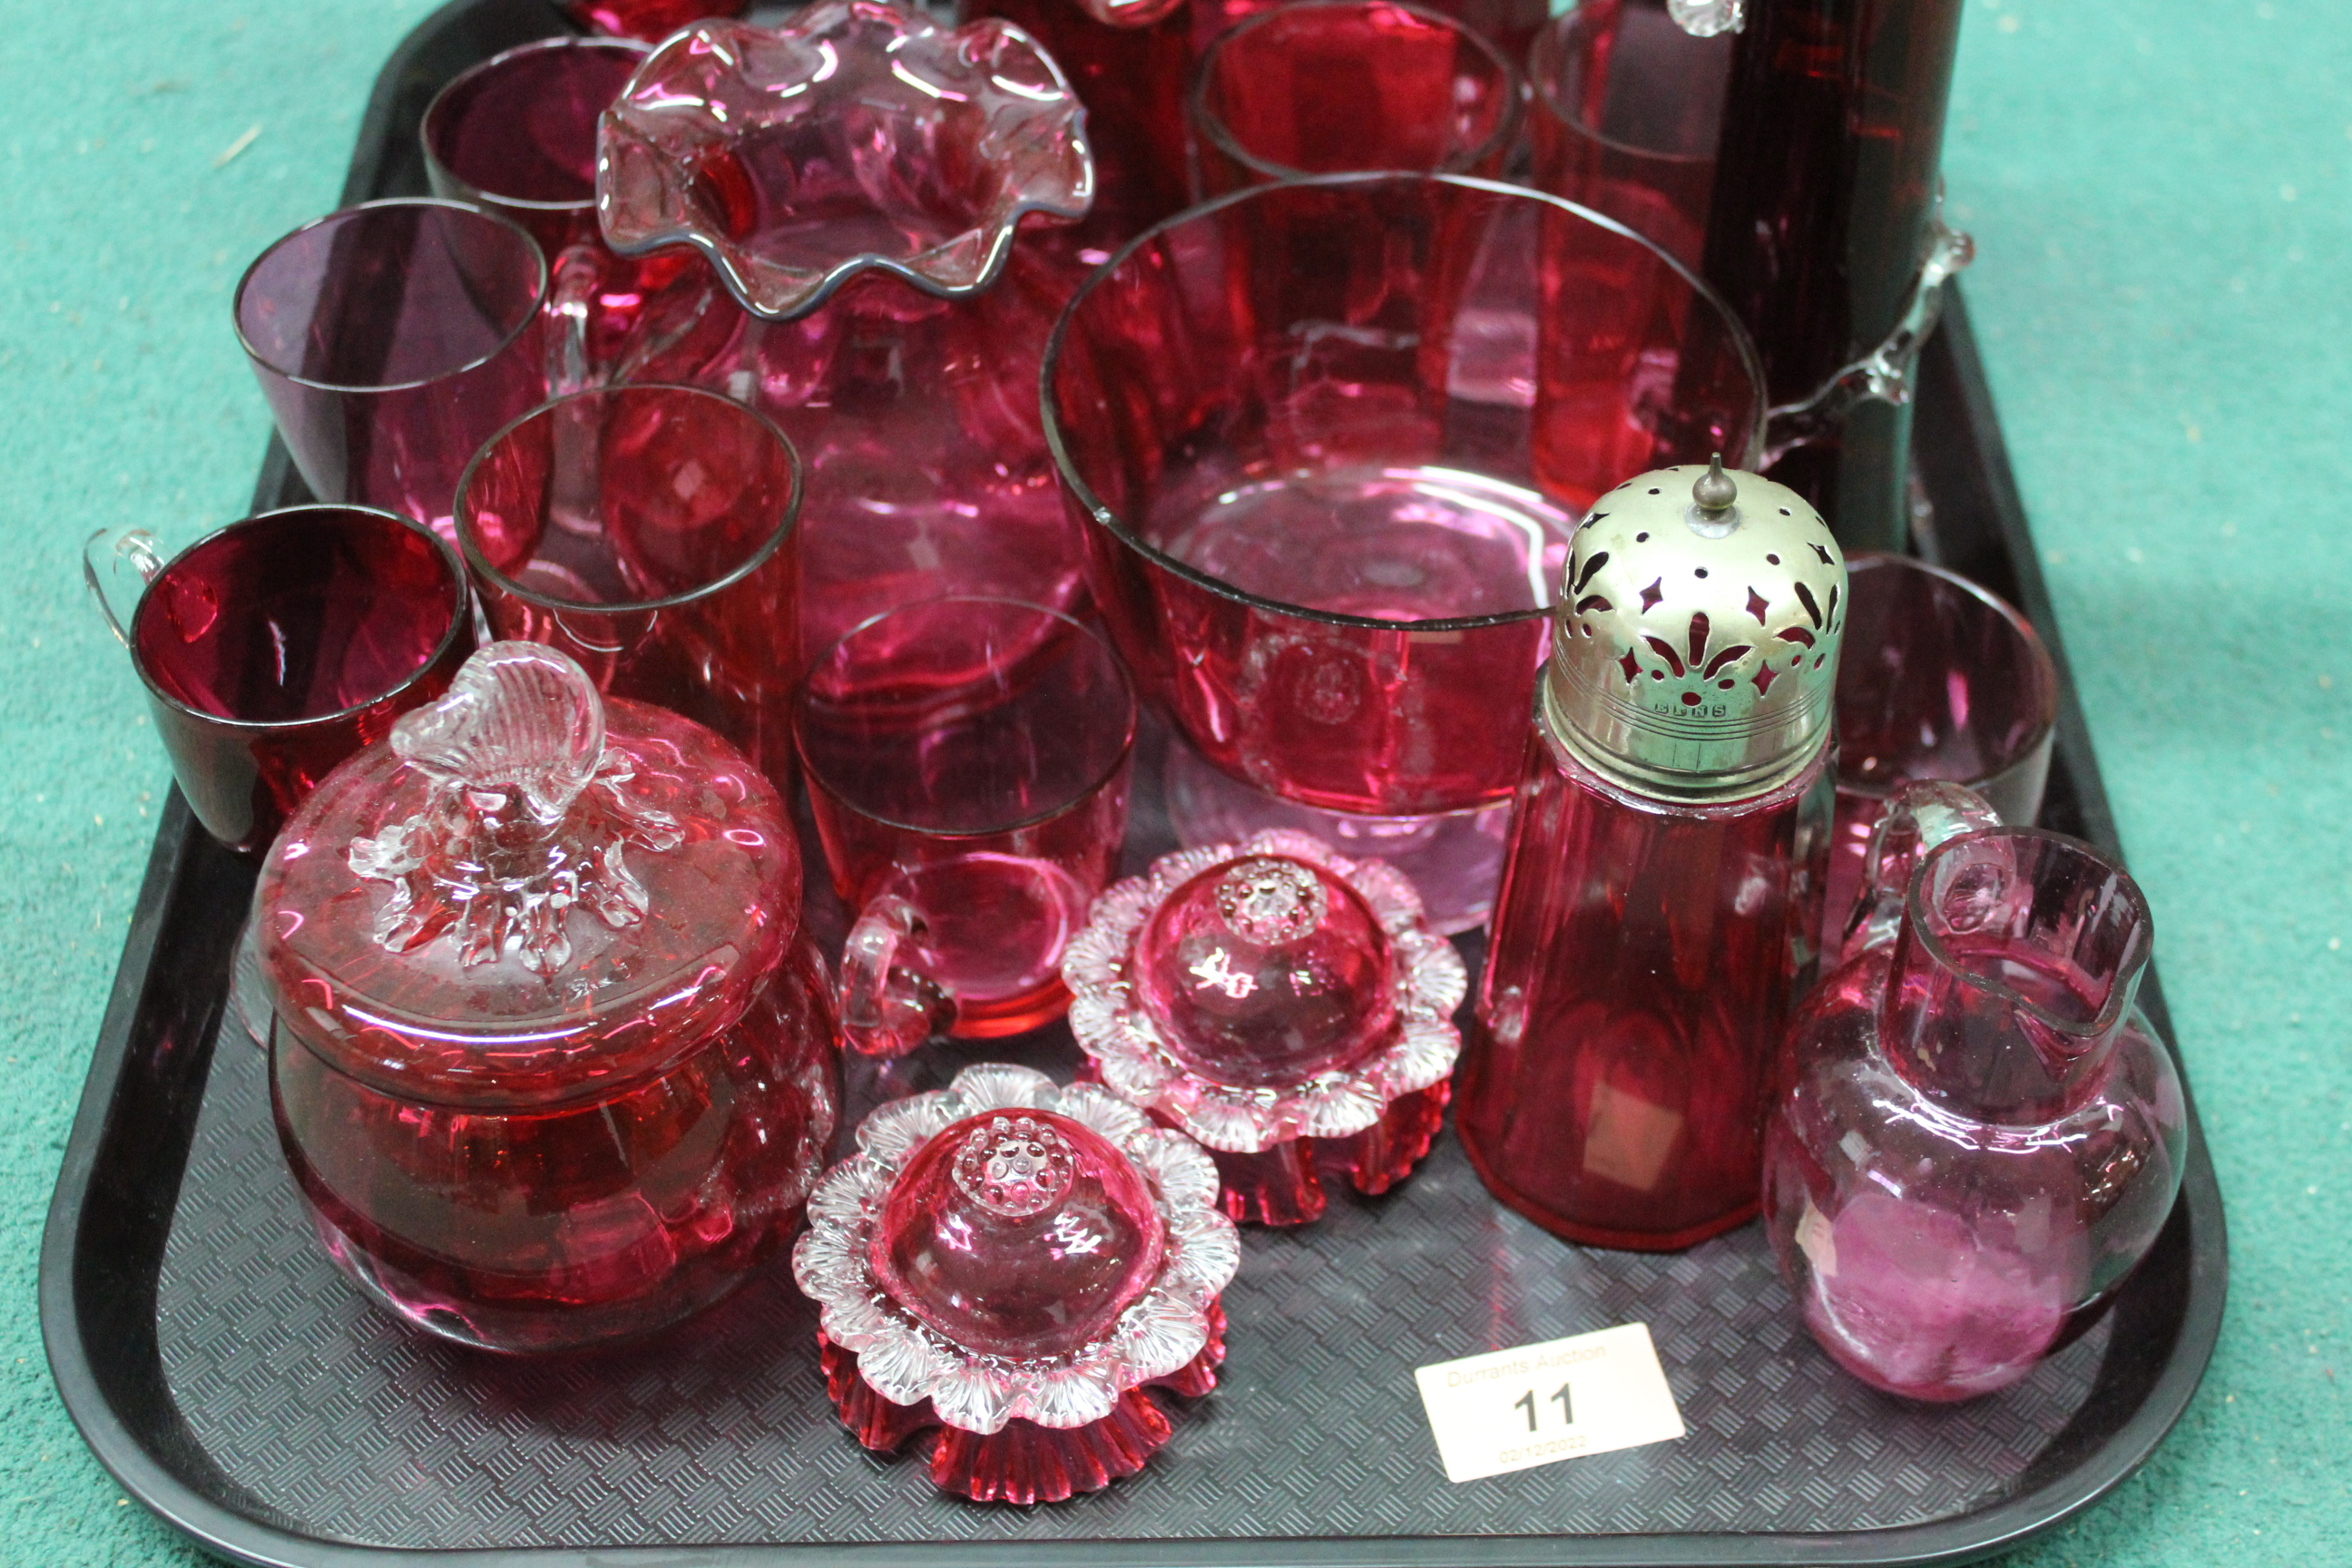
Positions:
(2159, 192)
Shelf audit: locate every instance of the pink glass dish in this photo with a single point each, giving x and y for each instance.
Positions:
(1981, 1133)
(968, 763)
(517, 135)
(1329, 440)
(864, 212)
(1012, 1264)
(1627, 107)
(1941, 679)
(553, 1062)
(1326, 86)
(278, 647)
(1281, 1005)
(648, 531)
(646, 20)
(391, 340)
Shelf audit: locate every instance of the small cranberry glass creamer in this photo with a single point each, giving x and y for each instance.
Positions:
(1277, 1003)
(856, 178)
(1012, 1264)
(1981, 1133)
(555, 1062)
(1663, 883)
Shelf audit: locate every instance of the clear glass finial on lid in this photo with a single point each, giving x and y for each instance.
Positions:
(1695, 639)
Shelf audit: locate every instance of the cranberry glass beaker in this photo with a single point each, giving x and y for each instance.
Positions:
(553, 1062)
(856, 177)
(650, 533)
(1332, 439)
(1326, 86)
(1981, 1133)
(1627, 107)
(391, 340)
(517, 135)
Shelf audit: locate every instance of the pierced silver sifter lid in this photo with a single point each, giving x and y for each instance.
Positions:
(1694, 641)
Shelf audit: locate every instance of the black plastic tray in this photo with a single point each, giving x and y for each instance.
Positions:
(233, 1384)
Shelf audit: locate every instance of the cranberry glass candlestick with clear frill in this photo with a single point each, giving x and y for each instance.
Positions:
(1661, 884)
(555, 1062)
(1011, 1265)
(1981, 1135)
(1283, 1006)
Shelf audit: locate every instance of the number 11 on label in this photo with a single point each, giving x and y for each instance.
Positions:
(1492, 1414)
(1527, 1402)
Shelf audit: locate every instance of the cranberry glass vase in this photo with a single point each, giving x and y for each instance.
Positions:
(1283, 1006)
(553, 1062)
(1981, 1133)
(1661, 886)
(856, 178)
(1011, 1265)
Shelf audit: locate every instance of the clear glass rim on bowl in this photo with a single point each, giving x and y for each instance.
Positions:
(1057, 442)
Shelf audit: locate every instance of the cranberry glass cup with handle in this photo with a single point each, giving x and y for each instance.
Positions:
(391, 340)
(278, 647)
(1331, 440)
(1942, 680)
(648, 531)
(1329, 86)
(1626, 109)
(1981, 1135)
(967, 762)
(517, 135)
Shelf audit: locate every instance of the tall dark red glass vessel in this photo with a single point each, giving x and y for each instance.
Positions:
(1662, 884)
(1823, 232)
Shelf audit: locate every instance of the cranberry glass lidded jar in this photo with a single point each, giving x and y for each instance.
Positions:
(555, 1062)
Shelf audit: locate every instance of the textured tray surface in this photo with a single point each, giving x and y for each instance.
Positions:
(721, 1431)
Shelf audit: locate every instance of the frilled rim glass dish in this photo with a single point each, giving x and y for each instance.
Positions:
(908, 1363)
(1057, 441)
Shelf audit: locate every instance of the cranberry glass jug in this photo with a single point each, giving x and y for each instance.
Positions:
(856, 178)
(1981, 1135)
(1661, 884)
(554, 1061)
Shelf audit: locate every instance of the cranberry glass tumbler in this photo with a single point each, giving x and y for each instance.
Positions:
(1328, 86)
(646, 20)
(647, 532)
(391, 340)
(1941, 679)
(1663, 883)
(279, 646)
(1981, 1133)
(1627, 110)
(517, 135)
(967, 764)
(1332, 439)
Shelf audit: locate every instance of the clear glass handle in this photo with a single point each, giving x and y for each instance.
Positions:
(579, 275)
(1921, 814)
(1706, 18)
(889, 1003)
(105, 556)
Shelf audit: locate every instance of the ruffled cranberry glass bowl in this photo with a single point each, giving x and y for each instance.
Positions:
(1012, 1264)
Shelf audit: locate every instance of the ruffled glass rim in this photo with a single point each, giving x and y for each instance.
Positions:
(1427, 981)
(906, 1362)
